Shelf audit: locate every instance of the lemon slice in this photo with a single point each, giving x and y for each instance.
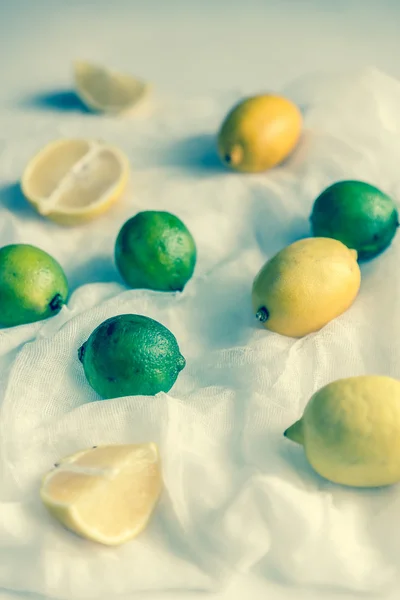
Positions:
(105, 494)
(72, 181)
(103, 90)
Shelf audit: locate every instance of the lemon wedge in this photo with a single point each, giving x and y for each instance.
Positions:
(106, 494)
(104, 90)
(72, 181)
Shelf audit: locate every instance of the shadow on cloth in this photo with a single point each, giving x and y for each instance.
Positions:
(55, 100)
(197, 154)
(12, 198)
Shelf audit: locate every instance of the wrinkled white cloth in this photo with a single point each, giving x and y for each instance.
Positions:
(238, 496)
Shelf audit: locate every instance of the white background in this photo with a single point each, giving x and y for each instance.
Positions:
(189, 48)
(192, 46)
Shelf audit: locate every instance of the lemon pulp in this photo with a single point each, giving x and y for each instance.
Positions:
(105, 90)
(74, 180)
(105, 494)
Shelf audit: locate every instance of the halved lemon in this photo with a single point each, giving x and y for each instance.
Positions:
(72, 181)
(106, 494)
(104, 90)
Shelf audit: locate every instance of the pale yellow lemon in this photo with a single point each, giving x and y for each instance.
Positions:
(104, 90)
(306, 285)
(350, 431)
(72, 181)
(106, 494)
(259, 133)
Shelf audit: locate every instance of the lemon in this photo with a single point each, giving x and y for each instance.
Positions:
(106, 494)
(259, 133)
(350, 431)
(72, 181)
(306, 285)
(104, 90)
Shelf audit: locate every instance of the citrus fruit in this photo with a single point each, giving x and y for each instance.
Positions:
(106, 494)
(350, 431)
(33, 286)
(259, 133)
(131, 355)
(72, 181)
(155, 250)
(357, 214)
(104, 90)
(306, 285)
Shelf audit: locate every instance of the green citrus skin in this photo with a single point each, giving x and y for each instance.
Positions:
(357, 214)
(130, 355)
(154, 250)
(33, 286)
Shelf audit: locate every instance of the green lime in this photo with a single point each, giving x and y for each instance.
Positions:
(155, 250)
(33, 285)
(130, 355)
(357, 214)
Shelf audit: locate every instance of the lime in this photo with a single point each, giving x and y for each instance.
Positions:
(33, 285)
(357, 214)
(155, 250)
(130, 355)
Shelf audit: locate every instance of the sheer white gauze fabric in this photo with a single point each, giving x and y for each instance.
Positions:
(237, 494)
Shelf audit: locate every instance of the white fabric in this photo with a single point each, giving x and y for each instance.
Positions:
(238, 496)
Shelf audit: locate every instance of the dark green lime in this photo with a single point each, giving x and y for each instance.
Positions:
(33, 285)
(357, 214)
(130, 355)
(155, 250)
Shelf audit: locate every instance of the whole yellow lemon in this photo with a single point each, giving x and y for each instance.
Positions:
(259, 133)
(350, 431)
(306, 285)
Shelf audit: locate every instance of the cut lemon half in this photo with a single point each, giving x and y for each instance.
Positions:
(106, 494)
(72, 181)
(104, 90)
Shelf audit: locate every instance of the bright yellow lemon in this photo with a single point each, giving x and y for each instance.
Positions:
(306, 285)
(259, 133)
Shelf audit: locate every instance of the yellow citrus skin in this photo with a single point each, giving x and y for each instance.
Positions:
(306, 285)
(259, 133)
(350, 431)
